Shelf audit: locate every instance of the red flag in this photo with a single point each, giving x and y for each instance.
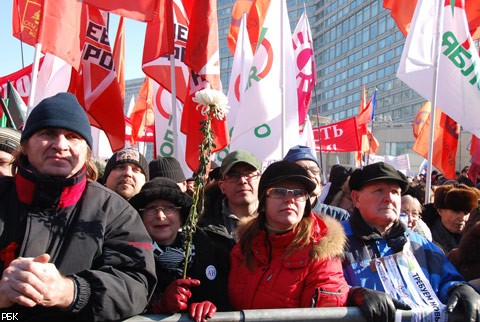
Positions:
(141, 10)
(444, 144)
(474, 169)
(402, 12)
(255, 19)
(96, 85)
(366, 110)
(337, 137)
(257, 10)
(55, 24)
(142, 114)
(21, 80)
(119, 56)
(421, 117)
(202, 56)
(167, 34)
(239, 8)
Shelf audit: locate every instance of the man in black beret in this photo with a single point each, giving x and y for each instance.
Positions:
(374, 232)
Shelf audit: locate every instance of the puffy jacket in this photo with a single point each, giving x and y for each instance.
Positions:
(92, 235)
(365, 244)
(294, 281)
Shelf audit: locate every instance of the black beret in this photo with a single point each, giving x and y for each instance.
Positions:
(375, 172)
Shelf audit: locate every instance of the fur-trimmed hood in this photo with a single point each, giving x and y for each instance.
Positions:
(333, 242)
(328, 238)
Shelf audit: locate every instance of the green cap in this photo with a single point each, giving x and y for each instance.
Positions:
(239, 156)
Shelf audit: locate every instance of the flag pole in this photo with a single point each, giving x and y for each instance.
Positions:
(33, 86)
(434, 97)
(173, 80)
(282, 83)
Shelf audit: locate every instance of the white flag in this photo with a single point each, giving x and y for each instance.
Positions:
(307, 137)
(267, 124)
(242, 61)
(458, 91)
(164, 139)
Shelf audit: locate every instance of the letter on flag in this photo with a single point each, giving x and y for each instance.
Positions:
(96, 86)
(304, 65)
(338, 137)
(267, 123)
(55, 24)
(167, 34)
(458, 68)
(402, 12)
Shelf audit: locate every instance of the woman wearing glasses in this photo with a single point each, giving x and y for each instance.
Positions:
(164, 209)
(286, 257)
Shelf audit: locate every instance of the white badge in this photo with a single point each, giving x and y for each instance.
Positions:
(211, 272)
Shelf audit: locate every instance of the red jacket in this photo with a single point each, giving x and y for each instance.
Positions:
(291, 282)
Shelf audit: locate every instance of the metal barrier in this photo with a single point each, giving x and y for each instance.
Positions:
(350, 314)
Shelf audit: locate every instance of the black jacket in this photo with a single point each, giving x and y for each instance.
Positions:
(91, 233)
(210, 265)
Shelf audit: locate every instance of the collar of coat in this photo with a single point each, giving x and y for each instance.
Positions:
(35, 189)
(394, 236)
(328, 241)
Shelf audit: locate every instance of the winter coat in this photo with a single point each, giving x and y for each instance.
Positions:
(294, 281)
(443, 237)
(465, 257)
(332, 211)
(92, 235)
(209, 264)
(365, 244)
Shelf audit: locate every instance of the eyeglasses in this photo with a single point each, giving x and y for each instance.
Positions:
(281, 193)
(153, 210)
(313, 169)
(234, 176)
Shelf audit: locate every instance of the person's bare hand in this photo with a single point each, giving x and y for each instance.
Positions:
(58, 289)
(35, 281)
(20, 285)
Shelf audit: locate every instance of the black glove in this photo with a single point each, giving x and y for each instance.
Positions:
(375, 306)
(469, 301)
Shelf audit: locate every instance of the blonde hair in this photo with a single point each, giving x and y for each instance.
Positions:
(250, 229)
(91, 168)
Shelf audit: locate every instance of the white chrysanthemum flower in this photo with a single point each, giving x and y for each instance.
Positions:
(211, 99)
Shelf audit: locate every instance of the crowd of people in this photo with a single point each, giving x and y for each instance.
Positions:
(81, 245)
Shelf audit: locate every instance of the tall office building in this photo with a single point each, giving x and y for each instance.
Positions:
(356, 44)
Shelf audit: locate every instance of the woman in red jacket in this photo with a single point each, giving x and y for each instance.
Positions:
(287, 257)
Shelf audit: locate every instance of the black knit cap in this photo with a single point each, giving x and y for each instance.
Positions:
(167, 167)
(9, 139)
(60, 111)
(375, 172)
(164, 189)
(127, 155)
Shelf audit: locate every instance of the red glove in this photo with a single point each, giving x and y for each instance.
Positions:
(176, 295)
(202, 311)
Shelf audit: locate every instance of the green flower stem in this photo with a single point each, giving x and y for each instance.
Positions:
(198, 194)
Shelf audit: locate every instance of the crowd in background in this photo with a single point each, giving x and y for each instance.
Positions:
(106, 241)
